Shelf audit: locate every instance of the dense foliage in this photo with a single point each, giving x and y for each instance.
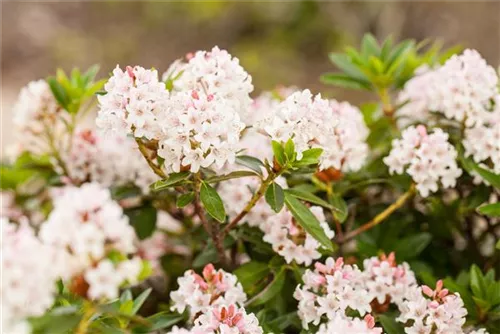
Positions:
(194, 207)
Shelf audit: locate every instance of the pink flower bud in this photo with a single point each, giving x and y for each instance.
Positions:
(370, 321)
(427, 291)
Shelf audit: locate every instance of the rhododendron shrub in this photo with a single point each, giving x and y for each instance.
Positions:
(190, 202)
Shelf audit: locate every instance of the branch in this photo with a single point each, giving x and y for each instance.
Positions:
(158, 171)
(381, 216)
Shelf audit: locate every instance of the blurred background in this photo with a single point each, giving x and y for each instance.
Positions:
(277, 42)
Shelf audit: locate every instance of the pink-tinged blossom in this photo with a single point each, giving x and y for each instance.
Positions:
(198, 293)
(229, 319)
(329, 290)
(427, 157)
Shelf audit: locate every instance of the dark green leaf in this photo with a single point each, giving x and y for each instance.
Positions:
(212, 202)
(233, 175)
(163, 320)
(250, 162)
(309, 197)
(251, 273)
(271, 290)
(412, 246)
(307, 220)
(390, 325)
(341, 207)
(55, 323)
(477, 282)
(275, 197)
(140, 300)
(185, 199)
(492, 210)
(172, 181)
(143, 219)
(59, 92)
(343, 80)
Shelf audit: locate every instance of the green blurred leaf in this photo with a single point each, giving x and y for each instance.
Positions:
(270, 291)
(59, 92)
(309, 197)
(492, 210)
(477, 282)
(344, 63)
(173, 180)
(250, 162)
(233, 175)
(251, 273)
(143, 219)
(340, 205)
(139, 301)
(390, 325)
(344, 80)
(412, 246)
(279, 153)
(185, 199)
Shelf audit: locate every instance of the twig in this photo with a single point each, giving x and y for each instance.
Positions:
(144, 151)
(381, 216)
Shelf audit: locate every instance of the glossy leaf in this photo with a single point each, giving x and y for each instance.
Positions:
(492, 210)
(172, 181)
(250, 162)
(275, 197)
(212, 202)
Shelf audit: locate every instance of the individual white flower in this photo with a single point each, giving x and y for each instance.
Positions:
(29, 274)
(462, 89)
(290, 240)
(216, 73)
(85, 226)
(198, 293)
(229, 319)
(428, 158)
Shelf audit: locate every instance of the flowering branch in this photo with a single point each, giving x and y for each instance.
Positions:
(381, 216)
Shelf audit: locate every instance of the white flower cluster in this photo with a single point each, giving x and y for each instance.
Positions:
(290, 240)
(428, 158)
(386, 280)
(462, 89)
(85, 226)
(337, 128)
(329, 290)
(201, 293)
(36, 112)
(441, 314)
(346, 325)
(199, 130)
(482, 142)
(134, 103)
(29, 277)
(267, 103)
(216, 73)
(110, 160)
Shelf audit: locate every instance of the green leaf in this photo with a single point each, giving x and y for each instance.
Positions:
(309, 157)
(250, 162)
(54, 323)
(163, 320)
(290, 150)
(345, 63)
(492, 210)
(369, 46)
(477, 282)
(140, 300)
(89, 76)
(212, 202)
(398, 54)
(412, 246)
(59, 92)
(275, 197)
(309, 197)
(498, 244)
(185, 199)
(493, 293)
(172, 181)
(126, 295)
(251, 273)
(343, 80)
(390, 325)
(279, 153)
(341, 207)
(490, 177)
(307, 220)
(143, 219)
(271, 290)
(233, 175)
